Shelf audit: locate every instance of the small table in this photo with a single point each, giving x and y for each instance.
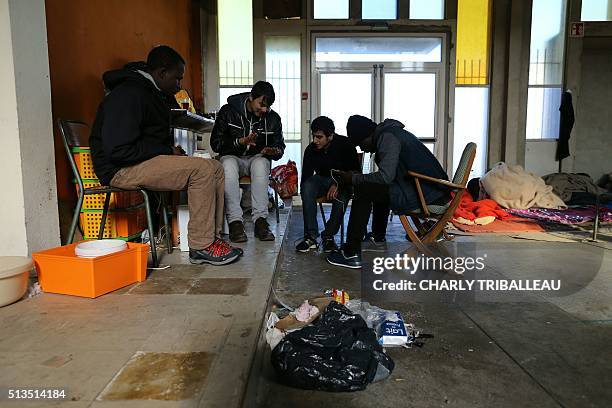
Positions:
(185, 125)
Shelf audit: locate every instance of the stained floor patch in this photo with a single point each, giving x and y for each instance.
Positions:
(179, 271)
(163, 286)
(160, 376)
(220, 286)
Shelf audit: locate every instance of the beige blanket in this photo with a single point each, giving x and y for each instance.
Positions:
(513, 187)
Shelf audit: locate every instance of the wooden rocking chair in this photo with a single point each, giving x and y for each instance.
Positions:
(441, 213)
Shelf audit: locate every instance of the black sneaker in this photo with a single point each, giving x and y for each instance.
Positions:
(306, 245)
(217, 253)
(262, 230)
(338, 258)
(329, 245)
(236, 232)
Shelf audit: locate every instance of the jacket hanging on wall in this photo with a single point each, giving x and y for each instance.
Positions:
(566, 123)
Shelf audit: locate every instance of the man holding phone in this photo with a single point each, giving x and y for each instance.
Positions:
(248, 136)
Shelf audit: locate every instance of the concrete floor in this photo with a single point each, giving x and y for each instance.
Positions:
(496, 350)
(183, 338)
(191, 335)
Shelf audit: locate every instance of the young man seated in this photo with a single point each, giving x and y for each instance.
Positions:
(132, 148)
(248, 135)
(396, 151)
(327, 151)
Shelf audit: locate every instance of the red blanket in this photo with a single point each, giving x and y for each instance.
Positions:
(481, 212)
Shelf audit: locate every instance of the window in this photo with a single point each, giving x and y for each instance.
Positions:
(283, 71)
(418, 112)
(545, 68)
(596, 10)
(471, 124)
(331, 9)
(427, 9)
(235, 31)
(225, 92)
(379, 9)
(378, 49)
(471, 117)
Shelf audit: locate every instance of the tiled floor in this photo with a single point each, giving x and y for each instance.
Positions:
(188, 335)
(184, 337)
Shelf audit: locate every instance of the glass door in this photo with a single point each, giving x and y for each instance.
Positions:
(412, 98)
(343, 94)
(385, 76)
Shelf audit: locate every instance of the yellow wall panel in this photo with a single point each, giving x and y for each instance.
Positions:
(473, 32)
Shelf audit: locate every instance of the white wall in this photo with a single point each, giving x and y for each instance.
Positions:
(592, 135)
(540, 157)
(12, 209)
(28, 210)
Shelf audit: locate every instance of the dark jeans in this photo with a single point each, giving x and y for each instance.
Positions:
(368, 197)
(314, 187)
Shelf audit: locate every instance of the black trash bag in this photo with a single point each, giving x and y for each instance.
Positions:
(338, 352)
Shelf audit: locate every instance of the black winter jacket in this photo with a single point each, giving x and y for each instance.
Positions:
(340, 154)
(233, 122)
(132, 124)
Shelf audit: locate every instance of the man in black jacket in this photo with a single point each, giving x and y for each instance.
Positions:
(132, 147)
(248, 135)
(397, 151)
(327, 151)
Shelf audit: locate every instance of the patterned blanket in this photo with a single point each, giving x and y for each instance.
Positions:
(568, 216)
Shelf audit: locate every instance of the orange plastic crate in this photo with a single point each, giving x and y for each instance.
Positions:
(61, 271)
(82, 157)
(118, 200)
(118, 223)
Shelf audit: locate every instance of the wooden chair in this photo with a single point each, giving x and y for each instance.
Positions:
(76, 134)
(441, 213)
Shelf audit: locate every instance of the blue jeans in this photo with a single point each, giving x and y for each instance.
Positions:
(314, 187)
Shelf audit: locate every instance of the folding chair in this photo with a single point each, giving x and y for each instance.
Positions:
(76, 134)
(441, 213)
(324, 200)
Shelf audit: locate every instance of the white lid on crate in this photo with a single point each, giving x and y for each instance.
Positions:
(92, 249)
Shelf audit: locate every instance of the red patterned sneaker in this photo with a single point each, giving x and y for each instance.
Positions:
(217, 253)
(227, 245)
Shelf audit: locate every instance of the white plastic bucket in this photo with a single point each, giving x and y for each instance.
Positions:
(93, 249)
(14, 274)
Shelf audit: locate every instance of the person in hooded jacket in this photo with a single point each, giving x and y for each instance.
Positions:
(396, 152)
(132, 147)
(248, 135)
